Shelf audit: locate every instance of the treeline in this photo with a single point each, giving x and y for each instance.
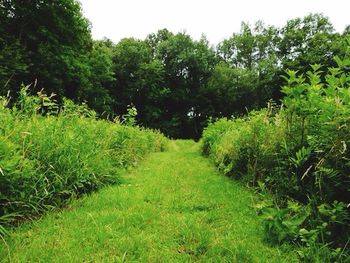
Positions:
(175, 82)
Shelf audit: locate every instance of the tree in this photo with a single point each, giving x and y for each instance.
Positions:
(98, 93)
(187, 64)
(252, 52)
(306, 41)
(129, 55)
(52, 39)
(151, 96)
(229, 91)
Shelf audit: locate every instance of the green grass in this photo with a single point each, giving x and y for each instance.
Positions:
(173, 208)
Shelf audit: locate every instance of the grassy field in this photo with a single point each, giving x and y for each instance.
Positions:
(173, 208)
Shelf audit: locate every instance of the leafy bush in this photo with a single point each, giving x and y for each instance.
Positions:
(47, 160)
(243, 148)
(298, 152)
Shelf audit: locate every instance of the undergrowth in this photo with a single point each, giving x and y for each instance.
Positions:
(173, 207)
(299, 154)
(51, 154)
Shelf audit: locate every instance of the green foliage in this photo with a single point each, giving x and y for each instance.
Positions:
(306, 41)
(230, 90)
(298, 152)
(49, 41)
(248, 143)
(175, 82)
(283, 224)
(99, 92)
(177, 191)
(130, 117)
(187, 65)
(47, 160)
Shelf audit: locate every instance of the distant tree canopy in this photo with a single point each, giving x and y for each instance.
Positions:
(175, 82)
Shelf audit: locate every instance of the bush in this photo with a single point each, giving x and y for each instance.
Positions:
(47, 160)
(298, 152)
(244, 148)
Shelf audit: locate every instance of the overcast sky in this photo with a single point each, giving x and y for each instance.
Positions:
(217, 19)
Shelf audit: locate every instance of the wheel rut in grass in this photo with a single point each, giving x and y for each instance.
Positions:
(174, 207)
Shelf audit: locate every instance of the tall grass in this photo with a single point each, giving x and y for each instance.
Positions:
(50, 155)
(300, 154)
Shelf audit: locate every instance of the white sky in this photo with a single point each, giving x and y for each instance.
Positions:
(217, 19)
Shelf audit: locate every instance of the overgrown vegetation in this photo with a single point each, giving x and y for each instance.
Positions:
(47, 160)
(299, 154)
(295, 151)
(175, 82)
(177, 191)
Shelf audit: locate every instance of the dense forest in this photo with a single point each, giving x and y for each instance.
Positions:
(176, 83)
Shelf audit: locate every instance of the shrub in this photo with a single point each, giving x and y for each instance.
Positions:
(299, 152)
(244, 148)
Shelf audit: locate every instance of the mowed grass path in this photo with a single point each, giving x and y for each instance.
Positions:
(173, 208)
